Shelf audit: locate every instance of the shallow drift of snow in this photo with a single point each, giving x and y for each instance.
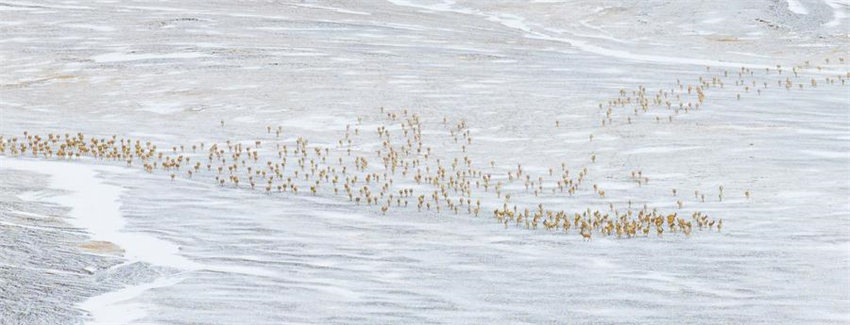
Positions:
(170, 72)
(95, 207)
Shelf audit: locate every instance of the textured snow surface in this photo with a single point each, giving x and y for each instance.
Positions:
(170, 71)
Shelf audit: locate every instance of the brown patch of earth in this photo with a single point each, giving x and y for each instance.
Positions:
(101, 247)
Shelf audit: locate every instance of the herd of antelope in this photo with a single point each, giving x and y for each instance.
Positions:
(393, 166)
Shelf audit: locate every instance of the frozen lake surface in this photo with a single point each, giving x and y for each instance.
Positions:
(600, 93)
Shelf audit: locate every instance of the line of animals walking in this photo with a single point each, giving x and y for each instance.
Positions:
(393, 167)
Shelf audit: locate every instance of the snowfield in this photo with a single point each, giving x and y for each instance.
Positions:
(733, 110)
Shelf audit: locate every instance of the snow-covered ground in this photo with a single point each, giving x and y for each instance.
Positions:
(533, 81)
